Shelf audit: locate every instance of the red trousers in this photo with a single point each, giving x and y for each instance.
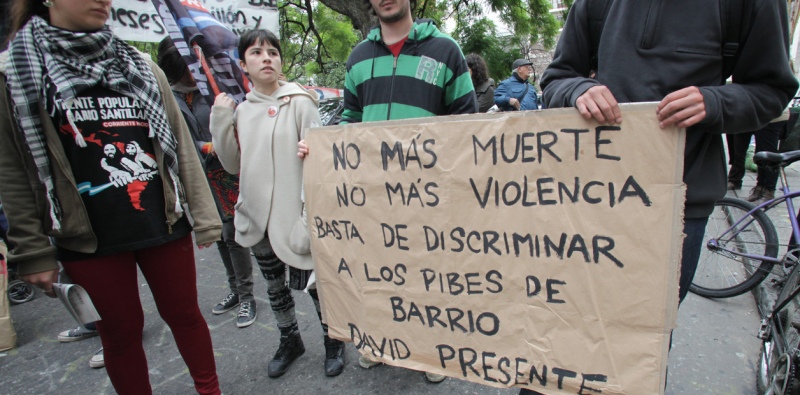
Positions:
(111, 282)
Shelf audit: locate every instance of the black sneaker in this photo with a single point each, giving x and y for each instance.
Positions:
(290, 349)
(228, 303)
(247, 314)
(334, 357)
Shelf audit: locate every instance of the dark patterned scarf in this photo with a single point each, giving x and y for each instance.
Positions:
(76, 61)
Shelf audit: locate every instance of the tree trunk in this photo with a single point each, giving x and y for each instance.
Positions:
(358, 11)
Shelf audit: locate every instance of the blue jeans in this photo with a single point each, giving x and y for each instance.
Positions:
(694, 228)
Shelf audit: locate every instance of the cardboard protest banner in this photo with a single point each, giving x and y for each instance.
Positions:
(138, 20)
(8, 337)
(531, 249)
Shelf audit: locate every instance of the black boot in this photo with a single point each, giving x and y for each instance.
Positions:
(290, 348)
(334, 357)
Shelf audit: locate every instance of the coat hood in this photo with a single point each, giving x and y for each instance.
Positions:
(422, 29)
(286, 89)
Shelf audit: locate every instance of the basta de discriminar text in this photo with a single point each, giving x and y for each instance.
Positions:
(419, 154)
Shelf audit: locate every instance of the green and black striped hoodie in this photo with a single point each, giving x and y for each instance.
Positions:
(430, 77)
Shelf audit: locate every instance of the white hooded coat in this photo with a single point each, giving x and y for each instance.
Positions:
(265, 157)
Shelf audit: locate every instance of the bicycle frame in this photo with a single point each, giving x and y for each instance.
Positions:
(776, 363)
(713, 244)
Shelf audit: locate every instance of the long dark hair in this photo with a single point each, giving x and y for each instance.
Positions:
(21, 11)
(480, 72)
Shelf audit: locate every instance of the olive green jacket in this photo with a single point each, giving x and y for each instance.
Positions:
(25, 204)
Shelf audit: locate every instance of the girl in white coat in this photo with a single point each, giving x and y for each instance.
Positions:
(259, 141)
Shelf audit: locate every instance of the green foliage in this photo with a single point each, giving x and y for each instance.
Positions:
(336, 33)
(333, 77)
(432, 9)
(148, 48)
(481, 38)
(315, 44)
(544, 25)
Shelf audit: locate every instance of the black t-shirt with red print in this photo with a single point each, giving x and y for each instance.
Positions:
(116, 172)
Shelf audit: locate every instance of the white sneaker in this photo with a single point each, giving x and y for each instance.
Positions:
(367, 363)
(97, 360)
(434, 378)
(76, 334)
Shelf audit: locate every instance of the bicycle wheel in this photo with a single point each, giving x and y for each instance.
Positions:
(20, 292)
(721, 274)
(777, 374)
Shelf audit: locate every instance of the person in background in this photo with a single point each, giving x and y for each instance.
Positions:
(258, 141)
(484, 86)
(66, 200)
(224, 185)
(515, 93)
(375, 65)
(767, 139)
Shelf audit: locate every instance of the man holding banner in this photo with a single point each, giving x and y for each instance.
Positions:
(426, 91)
(677, 61)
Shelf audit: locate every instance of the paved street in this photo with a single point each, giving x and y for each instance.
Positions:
(714, 352)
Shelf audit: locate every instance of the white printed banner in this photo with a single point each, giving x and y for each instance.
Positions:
(137, 20)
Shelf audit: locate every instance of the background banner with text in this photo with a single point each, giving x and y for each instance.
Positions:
(138, 20)
(533, 249)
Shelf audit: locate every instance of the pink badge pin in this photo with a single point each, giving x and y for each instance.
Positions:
(273, 111)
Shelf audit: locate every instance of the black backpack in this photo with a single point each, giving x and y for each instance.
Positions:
(737, 12)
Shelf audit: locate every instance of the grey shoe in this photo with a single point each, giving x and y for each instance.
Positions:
(434, 378)
(97, 360)
(247, 314)
(75, 334)
(365, 362)
(230, 301)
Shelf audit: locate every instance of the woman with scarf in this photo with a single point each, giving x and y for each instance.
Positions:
(72, 90)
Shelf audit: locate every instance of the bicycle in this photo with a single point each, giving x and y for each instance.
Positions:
(741, 242)
(741, 256)
(741, 248)
(778, 372)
